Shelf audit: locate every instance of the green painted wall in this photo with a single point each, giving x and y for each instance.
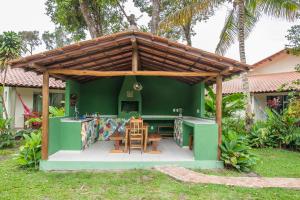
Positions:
(127, 86)
(72, 87)
(205, 140)
(159, 96)
(100, 96)
(63, 135)
(70, 136)
(198, 100)
(54, 135)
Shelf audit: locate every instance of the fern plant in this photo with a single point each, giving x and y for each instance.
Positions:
(30, 153)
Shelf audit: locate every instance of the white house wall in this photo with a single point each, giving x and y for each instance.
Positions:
(260, 104)
(279, 64)
(27, 96)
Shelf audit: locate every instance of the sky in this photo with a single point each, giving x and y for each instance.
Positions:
(267, 38)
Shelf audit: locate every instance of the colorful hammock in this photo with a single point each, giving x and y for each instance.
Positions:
(27, 111)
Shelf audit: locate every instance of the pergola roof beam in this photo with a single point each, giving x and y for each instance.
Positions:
(129, 73)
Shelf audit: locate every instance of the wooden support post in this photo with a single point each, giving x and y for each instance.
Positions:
(219, 111)
(135, 55)
(45, 115)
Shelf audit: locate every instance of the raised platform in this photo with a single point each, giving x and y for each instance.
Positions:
(98, 157)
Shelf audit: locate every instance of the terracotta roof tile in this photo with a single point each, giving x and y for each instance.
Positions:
(261, 83)
(18, 77)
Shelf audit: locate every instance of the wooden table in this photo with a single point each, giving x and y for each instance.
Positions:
(145, 131)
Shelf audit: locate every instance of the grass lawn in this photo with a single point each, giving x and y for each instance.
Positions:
(136, 184)
(272, 163)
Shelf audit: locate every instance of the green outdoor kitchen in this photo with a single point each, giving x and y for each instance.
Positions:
(129, 75)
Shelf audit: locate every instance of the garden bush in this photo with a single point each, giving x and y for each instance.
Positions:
(260, 136)
(6, 134)
(236, 125)
(30, 153)
(284, 129)
(20, 133)
(235, 152)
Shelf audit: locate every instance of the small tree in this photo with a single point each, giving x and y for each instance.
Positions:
(30, 40)
(10, 48)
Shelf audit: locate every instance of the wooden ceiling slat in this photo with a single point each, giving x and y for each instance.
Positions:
(91, 58)
(170, 63)
(104, 61)
(188, 80)
(180, 59)
(117, 62)
(162, 66)
(194, 50)
(182, 52)
(47, 60)
(156, 68)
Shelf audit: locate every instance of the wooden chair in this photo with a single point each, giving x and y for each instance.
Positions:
(117, 138)
(154, 138)
(136, 134)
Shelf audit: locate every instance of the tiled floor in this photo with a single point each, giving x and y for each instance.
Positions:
(100, 151)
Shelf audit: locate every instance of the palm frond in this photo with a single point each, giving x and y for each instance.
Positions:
(286, 9)
(184, 15)
(229, 33)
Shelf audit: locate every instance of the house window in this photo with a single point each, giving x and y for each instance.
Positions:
(55, 99)
(278, 102)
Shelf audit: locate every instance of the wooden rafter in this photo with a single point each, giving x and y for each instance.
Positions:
(91, 58)
(169, 62)
(169, 57)
(103, 62)
(135, 55)
(129, 73)
(229, 69)
(184, 53)
(71, 54)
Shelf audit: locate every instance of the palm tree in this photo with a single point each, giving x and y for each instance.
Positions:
(10, 48)
(238, 25)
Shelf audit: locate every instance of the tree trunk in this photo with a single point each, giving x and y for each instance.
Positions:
(155, 16)
(2, 95)
(245, 81)
(92, 25)
(187, 33)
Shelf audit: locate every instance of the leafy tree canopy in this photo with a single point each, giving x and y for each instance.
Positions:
(30, 40)
(10, 47)
(294, 39)
(175, 31)
(99, 17)
(57, 38)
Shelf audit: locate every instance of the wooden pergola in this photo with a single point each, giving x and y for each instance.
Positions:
(129, 53)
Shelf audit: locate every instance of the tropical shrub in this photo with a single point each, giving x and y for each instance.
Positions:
(231, 103)
(294, 108)
(20, 133)
(30, 153)
(34, 122)
(284, 128)
(235, 152)
(260, 136)
(6, 134)
(56, 112)
(234, 124)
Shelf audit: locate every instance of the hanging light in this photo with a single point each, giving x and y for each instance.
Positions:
(137, 86)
